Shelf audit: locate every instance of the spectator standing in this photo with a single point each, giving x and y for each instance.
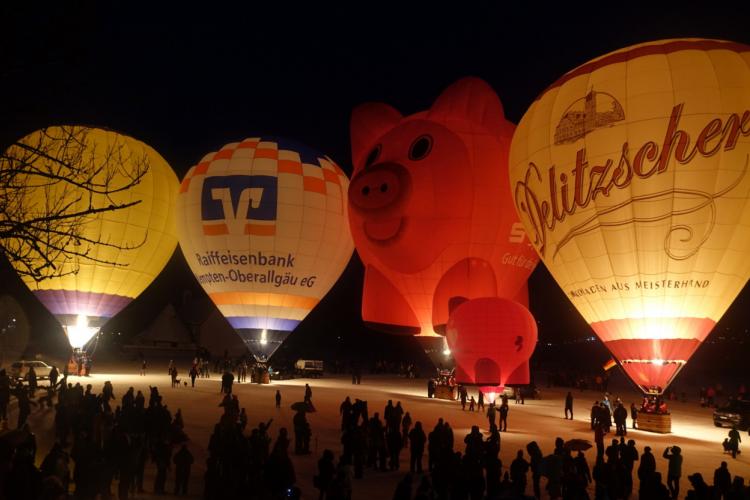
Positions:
(569, 405)
(417, 440)
(674, 470)
(183, 461)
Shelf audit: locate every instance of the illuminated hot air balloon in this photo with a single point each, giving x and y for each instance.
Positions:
(264, 228)
(630, 176)
(430, 210)
(490, 338)
(118, 253)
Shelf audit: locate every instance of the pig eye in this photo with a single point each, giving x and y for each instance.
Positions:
(373, 156)
(420, 148)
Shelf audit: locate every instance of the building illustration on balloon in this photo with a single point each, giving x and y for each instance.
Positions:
(644, 222)
(433, 221)
(117, 253)
(264, 228)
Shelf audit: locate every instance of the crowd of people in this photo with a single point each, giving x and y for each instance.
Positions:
(101, 445)
(96, 442)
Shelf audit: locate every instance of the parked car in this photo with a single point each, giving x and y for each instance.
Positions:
(309, 368)
(735, 413)
(19, 369)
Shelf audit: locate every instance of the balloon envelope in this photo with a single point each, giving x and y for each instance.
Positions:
(136, 242)
(490, 338)
(430, 210)
(263, 226)
(630, 176)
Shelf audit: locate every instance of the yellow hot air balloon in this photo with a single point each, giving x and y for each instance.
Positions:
(630, 174)
(115, 254)
(263, 225)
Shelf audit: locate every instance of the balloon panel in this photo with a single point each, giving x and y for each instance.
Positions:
(429, 209)
(263, 226)
(138, 240)
(630, 176)
(522, 374)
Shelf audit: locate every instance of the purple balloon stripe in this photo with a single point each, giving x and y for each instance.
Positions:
(280, 324)
(89, 303)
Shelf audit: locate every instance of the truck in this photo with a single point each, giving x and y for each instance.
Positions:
(309, 368)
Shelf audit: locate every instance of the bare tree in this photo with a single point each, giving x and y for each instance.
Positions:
(53, 183)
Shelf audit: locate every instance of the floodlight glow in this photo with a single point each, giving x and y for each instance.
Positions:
(263, 337)
(80, 333)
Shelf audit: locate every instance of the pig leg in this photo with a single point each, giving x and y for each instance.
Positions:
(468, 279)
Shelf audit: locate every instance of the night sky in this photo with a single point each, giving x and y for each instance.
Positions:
(188, 79)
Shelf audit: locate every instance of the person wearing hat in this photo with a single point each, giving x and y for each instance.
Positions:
(674, 470)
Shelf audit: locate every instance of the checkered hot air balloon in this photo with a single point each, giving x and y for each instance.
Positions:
(264, 227)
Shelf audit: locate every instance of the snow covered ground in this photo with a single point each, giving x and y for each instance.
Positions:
(540, 420)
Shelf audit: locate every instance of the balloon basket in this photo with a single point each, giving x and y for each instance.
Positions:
(445, 392)
(660, 423)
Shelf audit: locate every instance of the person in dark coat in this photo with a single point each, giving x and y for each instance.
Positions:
(4, 395)
(594, 415)
(646, 470)
(417, 440)
(32, 380)
(503, 425)
(491, 415)
(674, 469)
(24, 404)
(226, 382)
(326, 472)
(518, 470)
(302, 433)
(193, 375)
(722, 481)
(53, 376)
(569, 405)
(161, 455)
(183, 461)
(633, 414)
(536, 460)
(734, 441)
(620, 416)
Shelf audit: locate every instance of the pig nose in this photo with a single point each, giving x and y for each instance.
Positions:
(378, 187)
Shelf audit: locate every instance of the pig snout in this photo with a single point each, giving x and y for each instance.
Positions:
(378, 187)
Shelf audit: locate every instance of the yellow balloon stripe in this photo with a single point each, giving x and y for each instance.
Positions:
(265, 299)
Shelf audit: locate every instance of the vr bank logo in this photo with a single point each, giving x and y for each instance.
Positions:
(239, 204)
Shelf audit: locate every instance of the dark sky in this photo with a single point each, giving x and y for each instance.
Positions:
(189, 79)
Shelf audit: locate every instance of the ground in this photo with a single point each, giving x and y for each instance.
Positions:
(541, 420)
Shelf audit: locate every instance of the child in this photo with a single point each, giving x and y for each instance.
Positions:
(471, 404)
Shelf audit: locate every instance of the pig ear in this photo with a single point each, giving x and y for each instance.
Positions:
(474, 100)
(369, 122)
